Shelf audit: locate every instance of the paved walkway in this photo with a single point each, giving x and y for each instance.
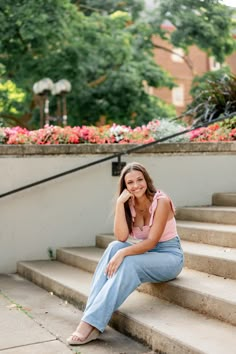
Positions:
(33, 321)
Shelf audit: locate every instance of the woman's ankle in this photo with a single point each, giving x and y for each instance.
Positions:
(84, 328)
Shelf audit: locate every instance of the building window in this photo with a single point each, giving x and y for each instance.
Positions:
(148, 89)
(213, 64)
(177, 55)
(178, 96)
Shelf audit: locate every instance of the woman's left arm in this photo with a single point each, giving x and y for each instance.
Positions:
(159, 222)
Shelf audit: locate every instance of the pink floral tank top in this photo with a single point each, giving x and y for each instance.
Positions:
(139, 234)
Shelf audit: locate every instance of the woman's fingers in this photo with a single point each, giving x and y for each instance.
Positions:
(110, 270)
(114, 264)
(125, 195)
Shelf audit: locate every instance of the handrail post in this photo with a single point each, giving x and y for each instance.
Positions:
(117, 166)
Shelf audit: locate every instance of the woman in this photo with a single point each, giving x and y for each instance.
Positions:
(147, 250)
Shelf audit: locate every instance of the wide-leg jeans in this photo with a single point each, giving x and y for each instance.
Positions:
(160, 264)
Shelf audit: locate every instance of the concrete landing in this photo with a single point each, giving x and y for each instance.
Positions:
(34, 321)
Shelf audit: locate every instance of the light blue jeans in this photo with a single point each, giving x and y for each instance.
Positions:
(162, 263)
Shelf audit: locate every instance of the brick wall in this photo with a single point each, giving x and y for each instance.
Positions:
(181, 72)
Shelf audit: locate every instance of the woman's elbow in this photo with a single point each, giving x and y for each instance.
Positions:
(151, 244)
(120, 236)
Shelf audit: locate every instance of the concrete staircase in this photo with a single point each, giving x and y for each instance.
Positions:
(195, 313)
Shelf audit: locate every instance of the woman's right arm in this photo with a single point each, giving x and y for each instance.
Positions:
(121, 229)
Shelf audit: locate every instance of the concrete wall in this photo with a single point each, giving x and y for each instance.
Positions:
(70, 211)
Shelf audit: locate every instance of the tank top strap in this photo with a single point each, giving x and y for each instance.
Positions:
(159, 195)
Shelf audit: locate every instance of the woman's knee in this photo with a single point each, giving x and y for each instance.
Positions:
(113, 247)
(116, 245)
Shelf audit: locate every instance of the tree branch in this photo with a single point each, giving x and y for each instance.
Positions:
(102, 78)
(87, 7)
(98, 81)
(8, 117)
(185, 58)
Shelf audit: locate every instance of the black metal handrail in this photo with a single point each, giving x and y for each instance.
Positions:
(116, 155)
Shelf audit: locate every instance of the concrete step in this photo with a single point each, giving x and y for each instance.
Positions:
(85, 258)
(164, 326)
(209, 233)
(211, 214)
(207, 294)
(210, 259)
(224, 199)
(103, 240)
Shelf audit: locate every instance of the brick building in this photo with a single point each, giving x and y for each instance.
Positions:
(182, 73)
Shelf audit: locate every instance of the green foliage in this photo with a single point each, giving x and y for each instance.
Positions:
(229, 123)
(216, 97)
(88, 7)
(11, 97)
(201, 83)
(16, 305)
(98, 54)
(104, 49)
(206, 23)
(51, 254)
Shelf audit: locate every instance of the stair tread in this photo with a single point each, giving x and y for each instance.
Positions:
(193, 329)
(206, 226)
(212, 251)
(224, 198)
(225, 194)
(200, 282)
(210, 208)
(92, 253)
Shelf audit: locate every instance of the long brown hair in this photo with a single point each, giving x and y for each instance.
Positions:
(150, 191)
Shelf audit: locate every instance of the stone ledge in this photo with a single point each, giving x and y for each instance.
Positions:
(169, 148)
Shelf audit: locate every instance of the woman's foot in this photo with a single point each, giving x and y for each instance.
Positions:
(84, 333)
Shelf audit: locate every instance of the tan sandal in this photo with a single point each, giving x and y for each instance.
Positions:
(92, 336)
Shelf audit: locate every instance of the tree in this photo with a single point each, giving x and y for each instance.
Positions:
(29, 33)
(205, 23)
(105, 49)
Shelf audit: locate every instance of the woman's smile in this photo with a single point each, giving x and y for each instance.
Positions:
(135, 182)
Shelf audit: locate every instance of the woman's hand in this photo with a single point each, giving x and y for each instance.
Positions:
(114, 263)
(124, 196)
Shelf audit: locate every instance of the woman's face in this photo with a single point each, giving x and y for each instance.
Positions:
(135, 183)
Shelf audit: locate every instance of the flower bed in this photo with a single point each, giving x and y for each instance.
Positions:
(213, 133)
(118, 134)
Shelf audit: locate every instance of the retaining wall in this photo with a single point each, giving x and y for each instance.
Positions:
(69, 211)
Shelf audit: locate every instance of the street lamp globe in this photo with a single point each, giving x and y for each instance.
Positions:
(61, 86)
(43, 88)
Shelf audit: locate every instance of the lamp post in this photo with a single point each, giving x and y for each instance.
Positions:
(43, 88)
(60, 89)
